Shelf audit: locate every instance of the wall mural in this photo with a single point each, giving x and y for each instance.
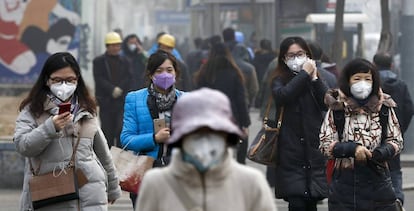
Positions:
(30, 31)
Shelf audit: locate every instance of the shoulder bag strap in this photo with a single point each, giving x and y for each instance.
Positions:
(71, 162)
(279, 120)
(180, 193)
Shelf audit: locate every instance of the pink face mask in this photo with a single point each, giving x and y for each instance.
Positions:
(164, 80)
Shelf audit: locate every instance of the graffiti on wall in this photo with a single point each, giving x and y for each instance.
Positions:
(30, 31)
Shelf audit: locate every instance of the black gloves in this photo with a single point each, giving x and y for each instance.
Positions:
(344, 149)
(383, 153)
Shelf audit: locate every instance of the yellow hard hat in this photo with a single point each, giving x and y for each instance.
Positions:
(112, 38)
(167, 40)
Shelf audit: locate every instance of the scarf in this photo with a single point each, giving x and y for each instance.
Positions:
(164, 102)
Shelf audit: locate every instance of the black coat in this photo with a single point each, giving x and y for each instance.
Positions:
(300, 171)
(104, 84)
(228, 82)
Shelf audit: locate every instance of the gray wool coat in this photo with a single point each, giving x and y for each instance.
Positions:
(36, 139)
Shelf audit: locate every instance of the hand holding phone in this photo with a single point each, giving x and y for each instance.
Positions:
(64, 107)
(159, 124)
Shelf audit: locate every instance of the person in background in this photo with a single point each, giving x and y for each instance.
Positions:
(155, 47)
(249, 72)
(202, 168)
(229, 37)
(194, 58)
(46, 138)
(147, 107)
(239, 36)
(328, 77)
(113, 79)
(361, 179)
(136, 55)
(263, 57)
(399, 92)
(300, 171)
(221, 72)
(167, 43)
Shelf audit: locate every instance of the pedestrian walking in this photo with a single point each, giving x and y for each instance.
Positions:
(397, 88)
(300, 171)
(326, 76)
(167, 43)
(136, 55)
(46, 138)
(147, 114)
(360, 144)
(155, 47)
(202, 174)
(249, 72)
(113, 79)
(263, 57)
(220, 72)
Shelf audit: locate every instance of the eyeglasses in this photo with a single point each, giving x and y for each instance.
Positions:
(299, 54)
(71, 80)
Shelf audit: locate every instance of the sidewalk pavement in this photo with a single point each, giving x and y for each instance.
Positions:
(9, 198)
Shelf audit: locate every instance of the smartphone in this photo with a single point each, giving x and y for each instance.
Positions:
(64, 107)
(159, 124)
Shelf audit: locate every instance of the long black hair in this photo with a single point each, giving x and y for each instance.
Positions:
(38, 94)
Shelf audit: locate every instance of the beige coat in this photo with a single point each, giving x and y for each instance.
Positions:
(36, 138)
(229, 186)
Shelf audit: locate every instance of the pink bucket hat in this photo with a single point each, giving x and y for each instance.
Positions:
(204, 107)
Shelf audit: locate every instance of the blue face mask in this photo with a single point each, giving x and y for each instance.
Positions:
(204, 149)
(164, 80)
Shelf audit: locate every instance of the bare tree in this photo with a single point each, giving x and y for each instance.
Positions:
(339, 33)
(385, 42)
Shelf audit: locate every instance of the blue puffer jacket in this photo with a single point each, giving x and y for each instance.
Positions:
(138, 128)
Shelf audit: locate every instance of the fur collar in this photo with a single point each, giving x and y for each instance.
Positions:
(337, 100)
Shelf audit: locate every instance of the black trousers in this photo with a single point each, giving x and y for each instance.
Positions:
(111, 123)
(242, 150)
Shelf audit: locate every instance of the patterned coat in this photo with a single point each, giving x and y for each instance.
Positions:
(354, 183)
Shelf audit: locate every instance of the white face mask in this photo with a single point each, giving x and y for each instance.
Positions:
(63, 90)
(204, 149)
(132, 47)
(361, 90)
(296, 64)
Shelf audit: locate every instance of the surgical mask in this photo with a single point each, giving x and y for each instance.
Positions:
(204, 150)
(132, 47)
(63, 90)
(361, 90)
(296, 64)
(164, 80)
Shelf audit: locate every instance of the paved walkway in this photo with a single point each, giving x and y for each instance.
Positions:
(9, 199)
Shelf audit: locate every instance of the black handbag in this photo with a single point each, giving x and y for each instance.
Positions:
(263, 150)
(56, 186)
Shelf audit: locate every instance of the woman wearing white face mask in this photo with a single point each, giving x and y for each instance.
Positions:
(47, 138)
(360, 144)
(202, 168)
(296, 87)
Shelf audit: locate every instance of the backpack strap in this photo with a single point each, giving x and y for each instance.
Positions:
(339, 121)
(384, 112)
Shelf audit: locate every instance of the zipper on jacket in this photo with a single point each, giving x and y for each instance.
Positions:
(203, 185)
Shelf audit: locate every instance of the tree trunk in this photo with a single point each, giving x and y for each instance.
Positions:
(339, 33)
(385, 42)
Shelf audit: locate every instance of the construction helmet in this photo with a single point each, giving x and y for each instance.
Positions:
(112, 38)
(167, 40)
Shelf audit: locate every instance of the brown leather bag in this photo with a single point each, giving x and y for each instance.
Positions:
(56, 186)
(263, 149)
